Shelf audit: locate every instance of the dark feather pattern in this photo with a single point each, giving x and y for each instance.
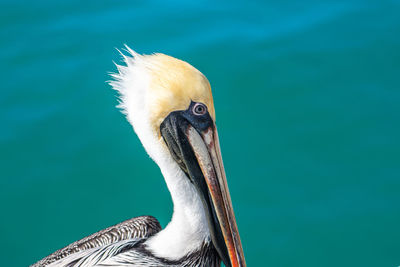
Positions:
(135, 228)
(205, 256)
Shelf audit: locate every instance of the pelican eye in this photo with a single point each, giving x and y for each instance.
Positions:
(199, 109)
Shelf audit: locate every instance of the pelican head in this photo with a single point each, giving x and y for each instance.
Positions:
(170, 106)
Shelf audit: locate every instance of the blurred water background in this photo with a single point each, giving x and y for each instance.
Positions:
(307, 95)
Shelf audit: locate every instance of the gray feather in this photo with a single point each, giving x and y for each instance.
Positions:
(131, 230)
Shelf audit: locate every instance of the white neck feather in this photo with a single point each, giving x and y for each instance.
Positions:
(188, 228)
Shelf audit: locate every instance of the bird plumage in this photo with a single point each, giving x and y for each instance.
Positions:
(159, 96)
(132, 229)
(123, 245)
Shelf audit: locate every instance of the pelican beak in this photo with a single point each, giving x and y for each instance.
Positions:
(195, 147)
(208, 153)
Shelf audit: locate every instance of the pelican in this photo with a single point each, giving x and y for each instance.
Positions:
(170, 106)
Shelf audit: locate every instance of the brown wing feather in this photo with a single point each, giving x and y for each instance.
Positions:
(139, 227)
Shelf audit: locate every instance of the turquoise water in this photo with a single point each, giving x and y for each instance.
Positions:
(307, 95)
